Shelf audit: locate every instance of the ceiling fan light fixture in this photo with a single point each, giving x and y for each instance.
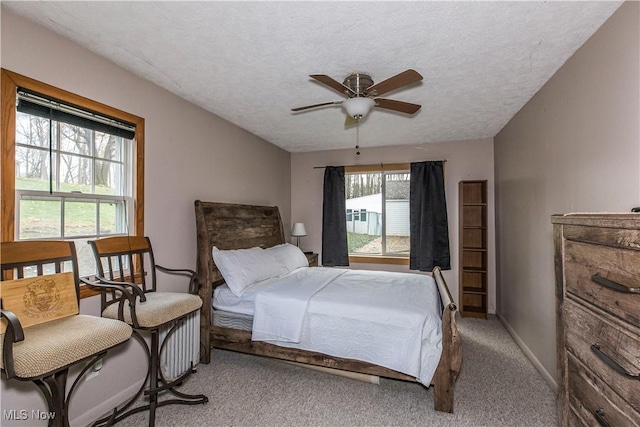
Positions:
(358, 107)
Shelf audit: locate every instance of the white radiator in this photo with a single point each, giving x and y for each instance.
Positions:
(182, 348)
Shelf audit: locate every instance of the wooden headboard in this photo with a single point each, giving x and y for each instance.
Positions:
(229, 226)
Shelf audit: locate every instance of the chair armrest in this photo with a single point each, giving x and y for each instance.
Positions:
(14, 328)
(111, 285)
(104, 284)
(194, 282)
(12, 334)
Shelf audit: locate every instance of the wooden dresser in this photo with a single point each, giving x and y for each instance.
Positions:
(597, 267)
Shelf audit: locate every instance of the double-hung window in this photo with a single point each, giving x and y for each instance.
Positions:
(377, 202)
(76, 173)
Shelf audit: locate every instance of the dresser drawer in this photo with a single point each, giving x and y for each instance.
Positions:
(611, 350)
(607, 277)
(595, 401)
(625, 238)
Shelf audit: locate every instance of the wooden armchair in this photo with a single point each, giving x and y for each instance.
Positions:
(127, 280)
(43, 334)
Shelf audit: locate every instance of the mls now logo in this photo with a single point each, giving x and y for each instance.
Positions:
(23, 414)
(14, 414)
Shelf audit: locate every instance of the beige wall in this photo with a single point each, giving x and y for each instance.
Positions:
(575, 146)
(190, 154)
(465, 160)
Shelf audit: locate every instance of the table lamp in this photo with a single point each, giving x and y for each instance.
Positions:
(298, 230)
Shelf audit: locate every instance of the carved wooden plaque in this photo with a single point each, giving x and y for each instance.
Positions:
(40, 299)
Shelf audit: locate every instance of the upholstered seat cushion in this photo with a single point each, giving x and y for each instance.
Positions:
(50, 346)
(158, 309)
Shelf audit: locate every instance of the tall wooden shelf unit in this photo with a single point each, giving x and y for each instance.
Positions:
(473, 248)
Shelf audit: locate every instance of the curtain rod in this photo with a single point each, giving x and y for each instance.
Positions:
(381, 164)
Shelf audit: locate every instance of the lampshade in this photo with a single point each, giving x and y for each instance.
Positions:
(358, 107)
(298, 229)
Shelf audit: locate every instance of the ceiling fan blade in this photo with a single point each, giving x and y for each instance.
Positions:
(350, 121)
(403, 107)
(317, 105)
(395, 82)
(333, 84)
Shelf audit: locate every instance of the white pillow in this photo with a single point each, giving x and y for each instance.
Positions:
(289, 256)
(241, 268)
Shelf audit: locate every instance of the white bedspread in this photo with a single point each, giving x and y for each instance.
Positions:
(389, 319)
(281, 306)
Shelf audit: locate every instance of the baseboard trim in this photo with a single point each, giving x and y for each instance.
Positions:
(553, 385)
(107, 406)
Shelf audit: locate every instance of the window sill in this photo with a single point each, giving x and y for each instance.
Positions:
(87, 291)
(379, 259)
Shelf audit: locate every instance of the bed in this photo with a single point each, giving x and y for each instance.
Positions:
(229, 227)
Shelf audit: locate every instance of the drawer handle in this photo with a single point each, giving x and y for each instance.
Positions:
(610, 362)
(613, 285)
(600, 417)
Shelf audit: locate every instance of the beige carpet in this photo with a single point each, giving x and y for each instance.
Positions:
(498, 386)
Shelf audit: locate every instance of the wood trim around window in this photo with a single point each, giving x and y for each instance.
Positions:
(381, 259)
(9, 83)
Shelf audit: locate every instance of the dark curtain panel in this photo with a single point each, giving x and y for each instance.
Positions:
(334, 219)
(429, 242)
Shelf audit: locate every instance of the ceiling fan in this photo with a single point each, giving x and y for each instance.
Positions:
(362, 94)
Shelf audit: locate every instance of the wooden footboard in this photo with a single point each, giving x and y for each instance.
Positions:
(451, 359)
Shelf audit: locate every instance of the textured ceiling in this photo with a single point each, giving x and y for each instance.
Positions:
(249, 62)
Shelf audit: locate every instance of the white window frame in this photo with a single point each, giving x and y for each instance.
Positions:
(62, 196)
(383, 258)
(126, 166)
